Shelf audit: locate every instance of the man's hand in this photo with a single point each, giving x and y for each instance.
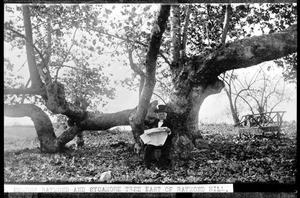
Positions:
(168, 130)
(137, 148)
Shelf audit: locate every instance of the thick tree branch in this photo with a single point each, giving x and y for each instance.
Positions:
(86, 120)
(246, 53)
(41, 122)
(57, 104)
(34, 91)
(67, 136)
(105, 121)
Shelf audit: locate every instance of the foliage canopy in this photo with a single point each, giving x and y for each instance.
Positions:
(85, 37)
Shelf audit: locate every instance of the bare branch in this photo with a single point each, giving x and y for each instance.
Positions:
(137, 70)
(62, 62)
(239, 95)
(257, 102)
(266, 98)
(247, 52)
(230, 79)
(254, 77)
(251, 109)
(22, 65)
(134, 66)
(160, 97)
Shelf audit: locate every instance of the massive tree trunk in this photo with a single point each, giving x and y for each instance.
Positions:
(184, 109)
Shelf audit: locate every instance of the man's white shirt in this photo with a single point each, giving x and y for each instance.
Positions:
(160, 123)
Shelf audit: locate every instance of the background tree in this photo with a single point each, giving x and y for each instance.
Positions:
(289, 63)
(260, 93)
(188, 45)
(259, 20)
(269, 94)
(232, 95)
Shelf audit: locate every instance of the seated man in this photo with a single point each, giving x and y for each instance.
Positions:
(157, 140)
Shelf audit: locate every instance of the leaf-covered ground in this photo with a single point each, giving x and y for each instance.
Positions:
(229, 159)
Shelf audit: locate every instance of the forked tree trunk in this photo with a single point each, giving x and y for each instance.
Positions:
(183, 112)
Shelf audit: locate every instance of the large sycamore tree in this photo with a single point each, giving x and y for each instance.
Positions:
(190, 45)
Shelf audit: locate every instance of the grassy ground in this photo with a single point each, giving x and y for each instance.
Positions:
(230, 160)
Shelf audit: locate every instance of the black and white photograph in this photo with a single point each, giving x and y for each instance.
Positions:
(163, 98)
